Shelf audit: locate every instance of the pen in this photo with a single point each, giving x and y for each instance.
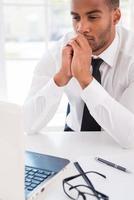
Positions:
(112, 164)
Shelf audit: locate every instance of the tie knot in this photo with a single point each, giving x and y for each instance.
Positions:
(96, 62)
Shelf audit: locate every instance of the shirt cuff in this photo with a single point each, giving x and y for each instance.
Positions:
(94, 94)
(55, 90)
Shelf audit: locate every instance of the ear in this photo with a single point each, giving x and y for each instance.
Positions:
(116, 15)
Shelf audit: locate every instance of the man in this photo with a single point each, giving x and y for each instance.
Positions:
(103, 97)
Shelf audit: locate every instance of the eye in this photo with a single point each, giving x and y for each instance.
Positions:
(76, 18)
(93, 17)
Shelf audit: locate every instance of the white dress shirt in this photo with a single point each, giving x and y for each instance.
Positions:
(111, 103)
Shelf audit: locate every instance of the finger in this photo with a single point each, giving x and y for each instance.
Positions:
(68, 46)
(68, 49)
(74, 44)
(82, 41)
(74, 39)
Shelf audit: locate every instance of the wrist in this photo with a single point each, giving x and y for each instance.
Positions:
(84, 83)
(61, 80)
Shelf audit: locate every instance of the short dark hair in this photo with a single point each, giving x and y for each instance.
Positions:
(113, 3)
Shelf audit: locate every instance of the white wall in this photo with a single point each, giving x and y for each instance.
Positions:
(3, 89)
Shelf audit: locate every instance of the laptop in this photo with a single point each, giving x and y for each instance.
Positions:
(23, 174)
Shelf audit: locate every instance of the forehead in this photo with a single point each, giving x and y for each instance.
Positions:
(88, 4)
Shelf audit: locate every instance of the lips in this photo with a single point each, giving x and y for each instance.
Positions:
(89, 38)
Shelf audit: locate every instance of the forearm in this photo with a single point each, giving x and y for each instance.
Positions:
(61, 80)
(40, 108)
(110, 114)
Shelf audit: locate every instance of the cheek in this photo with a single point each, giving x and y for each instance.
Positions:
(74, 24)
(104, 30)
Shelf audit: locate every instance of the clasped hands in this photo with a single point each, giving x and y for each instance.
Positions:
(75, 62)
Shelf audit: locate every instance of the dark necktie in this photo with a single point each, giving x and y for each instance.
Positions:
(88, 122)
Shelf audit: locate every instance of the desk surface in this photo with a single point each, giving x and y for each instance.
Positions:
(72, 146)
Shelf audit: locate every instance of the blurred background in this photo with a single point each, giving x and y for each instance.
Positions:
(27, 27)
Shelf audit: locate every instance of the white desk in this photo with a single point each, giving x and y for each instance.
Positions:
(72, 146)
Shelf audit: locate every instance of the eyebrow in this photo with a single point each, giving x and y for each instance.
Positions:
(87, 13)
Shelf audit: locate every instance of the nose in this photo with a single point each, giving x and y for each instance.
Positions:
(83, 26)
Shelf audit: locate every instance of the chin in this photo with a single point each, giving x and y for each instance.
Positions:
(94, 48)
(91, 44)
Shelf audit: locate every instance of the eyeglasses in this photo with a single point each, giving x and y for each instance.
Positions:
(81, 191)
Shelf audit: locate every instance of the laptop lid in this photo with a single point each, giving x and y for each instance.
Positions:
(11, 152)
(41, 169)
(13, 157)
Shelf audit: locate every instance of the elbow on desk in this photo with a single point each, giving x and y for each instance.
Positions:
(125, 140)
(29, 131)
(129, 145)
(31, 124)
(29, 127)
(126, 143)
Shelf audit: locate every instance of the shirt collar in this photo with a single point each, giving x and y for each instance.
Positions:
(109, 54)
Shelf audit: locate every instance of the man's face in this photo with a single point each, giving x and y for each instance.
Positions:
(96, 21)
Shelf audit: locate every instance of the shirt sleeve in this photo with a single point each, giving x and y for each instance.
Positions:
(116, 118)
(44, 96)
